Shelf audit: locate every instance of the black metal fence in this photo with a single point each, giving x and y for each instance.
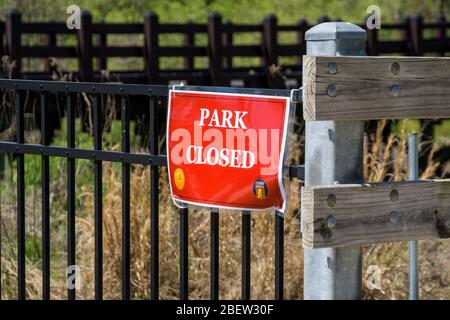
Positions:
(153, 93)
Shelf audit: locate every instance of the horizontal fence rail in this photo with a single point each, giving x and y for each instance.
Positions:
(412, 210)
(364, 88)
(93, 52)
(19, 148)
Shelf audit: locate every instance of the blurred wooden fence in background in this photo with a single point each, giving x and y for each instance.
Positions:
(91, 49)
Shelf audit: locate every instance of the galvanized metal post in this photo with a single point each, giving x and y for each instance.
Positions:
(334, 154)
(413, 250)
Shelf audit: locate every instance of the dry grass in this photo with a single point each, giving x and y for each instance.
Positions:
(385, 160)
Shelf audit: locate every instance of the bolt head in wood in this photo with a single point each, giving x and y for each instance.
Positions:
(395, 68)
(395, 90)
(331, 200)
(332, 67)
(331, 90)
(393, 216)
(330, 221)
(394, 196)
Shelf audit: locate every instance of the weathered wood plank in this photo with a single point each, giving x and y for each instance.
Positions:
(364, 85)
(374, 213)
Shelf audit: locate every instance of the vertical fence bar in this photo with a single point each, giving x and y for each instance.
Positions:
(70, 191)
(246, 254)
(184, 251)
(125, 200)
(154, 201)
(334, 154)
(214, 262)
(20, 198)
(279, 256)
(413, 250)
(98, 196)
(45, 200)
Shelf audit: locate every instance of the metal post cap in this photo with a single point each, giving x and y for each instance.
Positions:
(335, 31)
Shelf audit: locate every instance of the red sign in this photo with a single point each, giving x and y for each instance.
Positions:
(226, 150)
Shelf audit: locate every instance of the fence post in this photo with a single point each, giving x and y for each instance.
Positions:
(13, 38)
(227, 42)
(302, 27)
(372, 40)
(416, 34)
(101, 41)
(215, 47)
(441, 34)
(49, 39)
(323, 19)
(413, 246)
(333, 154)
(189, 41)
(151, 46)
(270, 52)
(85, 47)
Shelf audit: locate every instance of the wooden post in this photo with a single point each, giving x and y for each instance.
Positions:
(406, 37)
(2, 32)
(441, 34)
(151, 47)
(323, 19)
(215, 47)
(13, 38)
(372, 39)
(227, 42)
(100, 41)
(189, 41)
(50, 42)
(416, 34)
(303, 25)
(269, 43)
(85, 47)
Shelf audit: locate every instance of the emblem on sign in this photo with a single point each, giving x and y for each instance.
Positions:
(226, 150)
(260, 189)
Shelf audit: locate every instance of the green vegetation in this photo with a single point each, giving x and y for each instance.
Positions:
(238, 11)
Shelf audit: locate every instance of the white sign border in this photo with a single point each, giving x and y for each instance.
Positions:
(179, 202)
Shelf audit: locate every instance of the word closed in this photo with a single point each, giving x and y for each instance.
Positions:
(226, 150)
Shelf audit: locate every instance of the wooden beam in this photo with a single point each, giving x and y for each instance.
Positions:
(365, 88)
(349, 214)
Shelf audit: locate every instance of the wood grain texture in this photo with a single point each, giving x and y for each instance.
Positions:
(362, 213)
(363, 88)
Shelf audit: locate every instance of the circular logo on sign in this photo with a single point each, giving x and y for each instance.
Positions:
(260, 189)
(179, 178)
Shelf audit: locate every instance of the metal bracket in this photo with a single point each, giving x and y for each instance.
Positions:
(173, 86)
(296, 96)
(297, 172)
